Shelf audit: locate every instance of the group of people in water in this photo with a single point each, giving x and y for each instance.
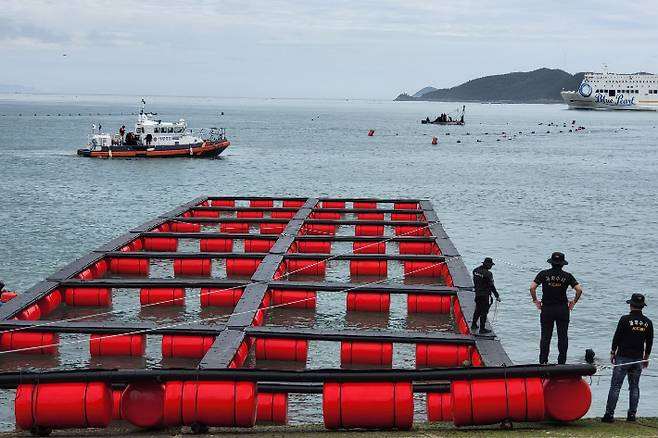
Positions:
(631, 344)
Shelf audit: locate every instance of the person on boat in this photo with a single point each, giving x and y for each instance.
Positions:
(631, 348)
(122, 133)
(149, 137)
(484, 287)
(554, 305)
(427, 119)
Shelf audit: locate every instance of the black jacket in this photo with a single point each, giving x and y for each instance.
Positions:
(634, 336)
(484, 282)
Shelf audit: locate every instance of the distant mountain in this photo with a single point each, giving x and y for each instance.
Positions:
(538, 86)
(424, 91)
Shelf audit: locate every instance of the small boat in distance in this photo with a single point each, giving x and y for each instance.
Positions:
(447, 119)
(154, 138)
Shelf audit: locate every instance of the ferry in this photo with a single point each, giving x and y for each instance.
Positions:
(636, 91)
(154, 138)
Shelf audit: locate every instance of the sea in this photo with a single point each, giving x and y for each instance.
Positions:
(516, 183)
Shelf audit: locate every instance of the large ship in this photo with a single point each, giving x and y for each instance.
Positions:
(155, 138)
(637, 91)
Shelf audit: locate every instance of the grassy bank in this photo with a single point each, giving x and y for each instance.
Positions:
(644, 427)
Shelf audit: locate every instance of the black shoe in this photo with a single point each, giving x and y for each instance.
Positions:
(607, 418)
(474, 326)
(484, 331)
(630, 417)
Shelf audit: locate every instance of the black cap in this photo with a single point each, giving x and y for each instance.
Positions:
(2, 285)
(557, 258)
(637, 300)
(488, 261)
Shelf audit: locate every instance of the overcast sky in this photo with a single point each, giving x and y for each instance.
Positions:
(312, 48)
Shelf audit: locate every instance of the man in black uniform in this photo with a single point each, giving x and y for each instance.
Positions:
(554, 306)
(484, 287)
(631, 345)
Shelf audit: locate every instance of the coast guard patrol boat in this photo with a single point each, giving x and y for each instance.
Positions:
(637, 91)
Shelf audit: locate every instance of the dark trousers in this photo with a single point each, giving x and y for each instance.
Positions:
(482, 305)
(554, 315)
(619, 373)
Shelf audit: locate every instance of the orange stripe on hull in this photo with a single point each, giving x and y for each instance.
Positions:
(196, 151)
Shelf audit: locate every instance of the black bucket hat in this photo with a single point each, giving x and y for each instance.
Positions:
(488, 261)
(637, 300)
(557, 258)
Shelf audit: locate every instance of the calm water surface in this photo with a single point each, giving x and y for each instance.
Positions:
(515, 197)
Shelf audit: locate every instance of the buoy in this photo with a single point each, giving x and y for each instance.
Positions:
(434, 140)
(371, 132)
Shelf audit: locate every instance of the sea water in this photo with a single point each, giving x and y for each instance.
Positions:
(516, 183)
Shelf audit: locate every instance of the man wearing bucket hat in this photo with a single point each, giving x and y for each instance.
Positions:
(484, 287)
(554, 305)
(631, 348)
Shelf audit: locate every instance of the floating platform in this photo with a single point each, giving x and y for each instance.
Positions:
(254, 257)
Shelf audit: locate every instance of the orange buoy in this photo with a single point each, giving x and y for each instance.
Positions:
(435, 140)
(371, 132)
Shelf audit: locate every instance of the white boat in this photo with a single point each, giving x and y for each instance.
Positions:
(636, 91)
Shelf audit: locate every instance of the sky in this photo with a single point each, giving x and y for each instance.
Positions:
(371, 49)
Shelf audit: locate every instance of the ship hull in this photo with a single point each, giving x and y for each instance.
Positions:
(203, 150)
(576, 101)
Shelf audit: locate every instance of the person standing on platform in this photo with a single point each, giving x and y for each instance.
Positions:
(122, 133)
(484, 287)
(554, 306)
(631, 348)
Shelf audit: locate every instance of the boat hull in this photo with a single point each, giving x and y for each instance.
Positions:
(204, 150)
(425, 122)
(596, 102)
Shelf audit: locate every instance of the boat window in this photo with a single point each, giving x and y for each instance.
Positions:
(170, 129)
(611, 93)
(178, 130)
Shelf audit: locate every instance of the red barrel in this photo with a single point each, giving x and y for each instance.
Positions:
(476, 358)
(307, 267)
(314, 246)
(494, 400)
(292, 204)
(194, 347)
(162, 296)
(234, 227)
(50, 302)
(99, 268)
(404, 217)
(220, 297)
(369, 247)
(332, 204)
(462, 325)
(319, 229)
(266, 203)
(205, 213)
(324, 215)
(163, 244)
(223, 203)
(216, 245)
(63, 405)
(413, 268)
(249, 214)
(29, 342)
(369, 230)
(7, 296)
(368, 405)
(405, 206)
(293, 299)
(117, 345)
(185, 227)
(418, 303)
(289, 350)
(437, 355)
(419, 248)
(142, 404)
(241, 355)
(282, 214)
(415, 230)
(364, 205)
(368, 302)
(438, 406)
(31, 313)
(375, 268)
(116, 404)
(214, 403)
(272, 408)
(370, 216)
(133, 266)
(242, 267)
(366, 353)
(88, 296)
(272, 228)
(194, 267)
(258, 245)
(259, 318)
(566, 399)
